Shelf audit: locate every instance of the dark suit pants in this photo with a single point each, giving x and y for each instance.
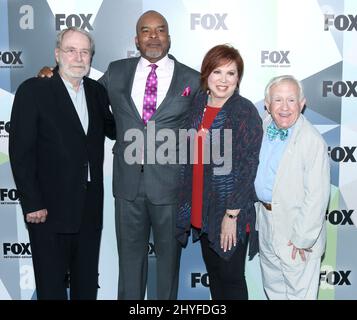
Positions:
(55, 255)
(226, 278)
(133, 222)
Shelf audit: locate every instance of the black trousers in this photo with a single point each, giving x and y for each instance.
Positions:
(57, 255)
(226, 278)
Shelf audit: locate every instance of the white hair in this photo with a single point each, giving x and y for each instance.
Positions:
(283, 78)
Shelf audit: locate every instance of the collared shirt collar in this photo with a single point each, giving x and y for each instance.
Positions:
(162, 63)
(69, 85)
(290, 129)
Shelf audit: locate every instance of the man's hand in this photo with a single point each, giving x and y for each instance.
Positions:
(37, 216)
(45, 72)
(301, 251)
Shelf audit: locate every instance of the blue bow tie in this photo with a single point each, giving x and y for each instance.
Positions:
(273, 132)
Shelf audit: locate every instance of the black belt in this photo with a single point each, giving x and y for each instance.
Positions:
(266, 205)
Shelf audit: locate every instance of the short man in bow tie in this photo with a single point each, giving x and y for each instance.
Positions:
(293, 187)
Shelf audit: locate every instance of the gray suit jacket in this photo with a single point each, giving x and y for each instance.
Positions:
(161, 180)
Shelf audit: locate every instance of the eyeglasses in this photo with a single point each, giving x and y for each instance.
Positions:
(71, 52)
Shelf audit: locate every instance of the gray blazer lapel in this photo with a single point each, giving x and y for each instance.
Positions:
(130, 78)
(289, 148)
(132, 105)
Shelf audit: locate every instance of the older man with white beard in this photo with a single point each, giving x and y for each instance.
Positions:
(56, 148)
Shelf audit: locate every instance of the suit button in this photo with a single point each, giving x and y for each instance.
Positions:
(84, 186)
(85, 165)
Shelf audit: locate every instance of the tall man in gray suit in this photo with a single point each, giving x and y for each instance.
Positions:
(146, 193)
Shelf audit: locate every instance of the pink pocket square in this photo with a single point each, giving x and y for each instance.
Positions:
(186, 92)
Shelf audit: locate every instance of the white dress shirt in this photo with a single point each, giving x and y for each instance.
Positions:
(164, 72)
(80, 104)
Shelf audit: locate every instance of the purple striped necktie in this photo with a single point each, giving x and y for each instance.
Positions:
(150, 96)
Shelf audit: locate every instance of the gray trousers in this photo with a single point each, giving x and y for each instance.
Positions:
(133, 220)
(283, 277)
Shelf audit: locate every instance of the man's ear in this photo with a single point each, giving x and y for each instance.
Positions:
(137, 43)
(302, 104)
(56, 54)
(267, 105)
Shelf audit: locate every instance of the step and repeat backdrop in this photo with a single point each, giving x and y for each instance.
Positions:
(315, 40)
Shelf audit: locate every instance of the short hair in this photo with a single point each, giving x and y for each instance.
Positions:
(218, 56)
(151, 12)
(61, 34)
(280, 79)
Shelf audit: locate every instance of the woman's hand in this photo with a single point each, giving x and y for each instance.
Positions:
(229, 229)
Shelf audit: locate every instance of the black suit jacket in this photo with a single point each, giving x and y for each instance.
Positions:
(161, 180)
(49, 151)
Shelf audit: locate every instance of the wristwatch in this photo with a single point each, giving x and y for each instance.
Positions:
(231, 216)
